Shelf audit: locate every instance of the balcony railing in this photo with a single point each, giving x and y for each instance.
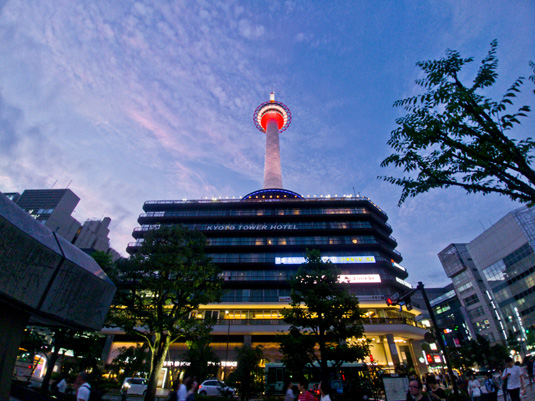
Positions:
(281, 322)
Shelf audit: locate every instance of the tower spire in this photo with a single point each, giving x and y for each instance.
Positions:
(272, 118)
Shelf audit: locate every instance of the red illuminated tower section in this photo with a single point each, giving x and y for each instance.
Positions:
(272, 118)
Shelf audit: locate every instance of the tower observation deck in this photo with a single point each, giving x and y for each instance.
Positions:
(272, 118)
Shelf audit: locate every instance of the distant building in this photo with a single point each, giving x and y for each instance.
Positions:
(494, 276)
(451, 318)
(54, 208)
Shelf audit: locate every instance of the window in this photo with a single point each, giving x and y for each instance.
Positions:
(472, 299)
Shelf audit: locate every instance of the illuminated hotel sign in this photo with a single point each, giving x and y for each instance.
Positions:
(359, 278)
(250, 227)
(298, 260)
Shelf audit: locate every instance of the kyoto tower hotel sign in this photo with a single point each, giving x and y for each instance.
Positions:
(272, 118)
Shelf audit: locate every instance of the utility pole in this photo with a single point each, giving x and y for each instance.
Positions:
(443, 348)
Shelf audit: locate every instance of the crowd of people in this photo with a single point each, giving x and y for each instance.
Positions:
(511, 380)
(484, 387)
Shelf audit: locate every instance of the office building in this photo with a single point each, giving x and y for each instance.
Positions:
(494, 277)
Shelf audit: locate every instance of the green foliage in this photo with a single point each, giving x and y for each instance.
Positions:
(104, 260)
(159, 286)
(453, 135)
(204, 362)
(478, 354)
(131, 361)
(326, 323)
(248, 376)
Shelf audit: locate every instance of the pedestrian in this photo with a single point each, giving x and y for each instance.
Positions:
(182, 393)
(415, 391)
(435, 391)
(529, 362)
(491, 386)
(304, 393)
(61, 388)
(192, 390)
(515, 379)
(288, 387)
(82, 386)
(474, 388)
(325, 391)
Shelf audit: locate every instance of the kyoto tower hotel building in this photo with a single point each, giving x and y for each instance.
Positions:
(260, 240)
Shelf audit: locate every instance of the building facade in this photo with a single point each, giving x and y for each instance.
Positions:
(494, 277)
(259, 243)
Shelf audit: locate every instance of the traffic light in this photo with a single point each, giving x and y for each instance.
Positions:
(390, 302)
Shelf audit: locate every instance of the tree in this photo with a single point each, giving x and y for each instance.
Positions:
(203, 360)
(131, 361)
(159, 286)
(248, 376)
(326, 323)
(453, 135)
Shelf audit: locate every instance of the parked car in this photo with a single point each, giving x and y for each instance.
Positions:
(216, 387)
(134, 385)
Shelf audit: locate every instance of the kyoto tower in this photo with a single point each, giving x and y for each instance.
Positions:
(272, 118)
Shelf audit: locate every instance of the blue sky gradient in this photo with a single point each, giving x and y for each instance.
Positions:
(133, 101)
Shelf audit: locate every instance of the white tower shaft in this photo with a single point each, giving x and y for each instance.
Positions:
(272, 166)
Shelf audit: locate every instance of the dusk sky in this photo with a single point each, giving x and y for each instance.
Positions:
(127, 101)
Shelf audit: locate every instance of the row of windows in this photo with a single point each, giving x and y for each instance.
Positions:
(518, 255)
(475, 313)
(367, 314)
(346, 240)
(482, 325)
(270, 257)
(40, 211)
(472, 299)
(461, 277)
(255, 212)
(465, 287)
(496, 271)
(319, 225)
(284, 275)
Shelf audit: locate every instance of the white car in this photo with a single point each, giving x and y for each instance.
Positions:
(134, 385)
(215, 387)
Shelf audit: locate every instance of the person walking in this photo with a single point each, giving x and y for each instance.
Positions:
(415, 391)
(304, 393)
(435, 391)
(474, 388)
(491, 386)
(289, 388)
(82, 386)
(325, 391)
(515, 379)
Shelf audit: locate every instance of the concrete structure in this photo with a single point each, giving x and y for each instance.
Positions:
(260, 241)
(494, 276)
(44, 280)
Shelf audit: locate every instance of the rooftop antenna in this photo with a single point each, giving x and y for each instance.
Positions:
(354, 193)
(53, 184)
(68, 184)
